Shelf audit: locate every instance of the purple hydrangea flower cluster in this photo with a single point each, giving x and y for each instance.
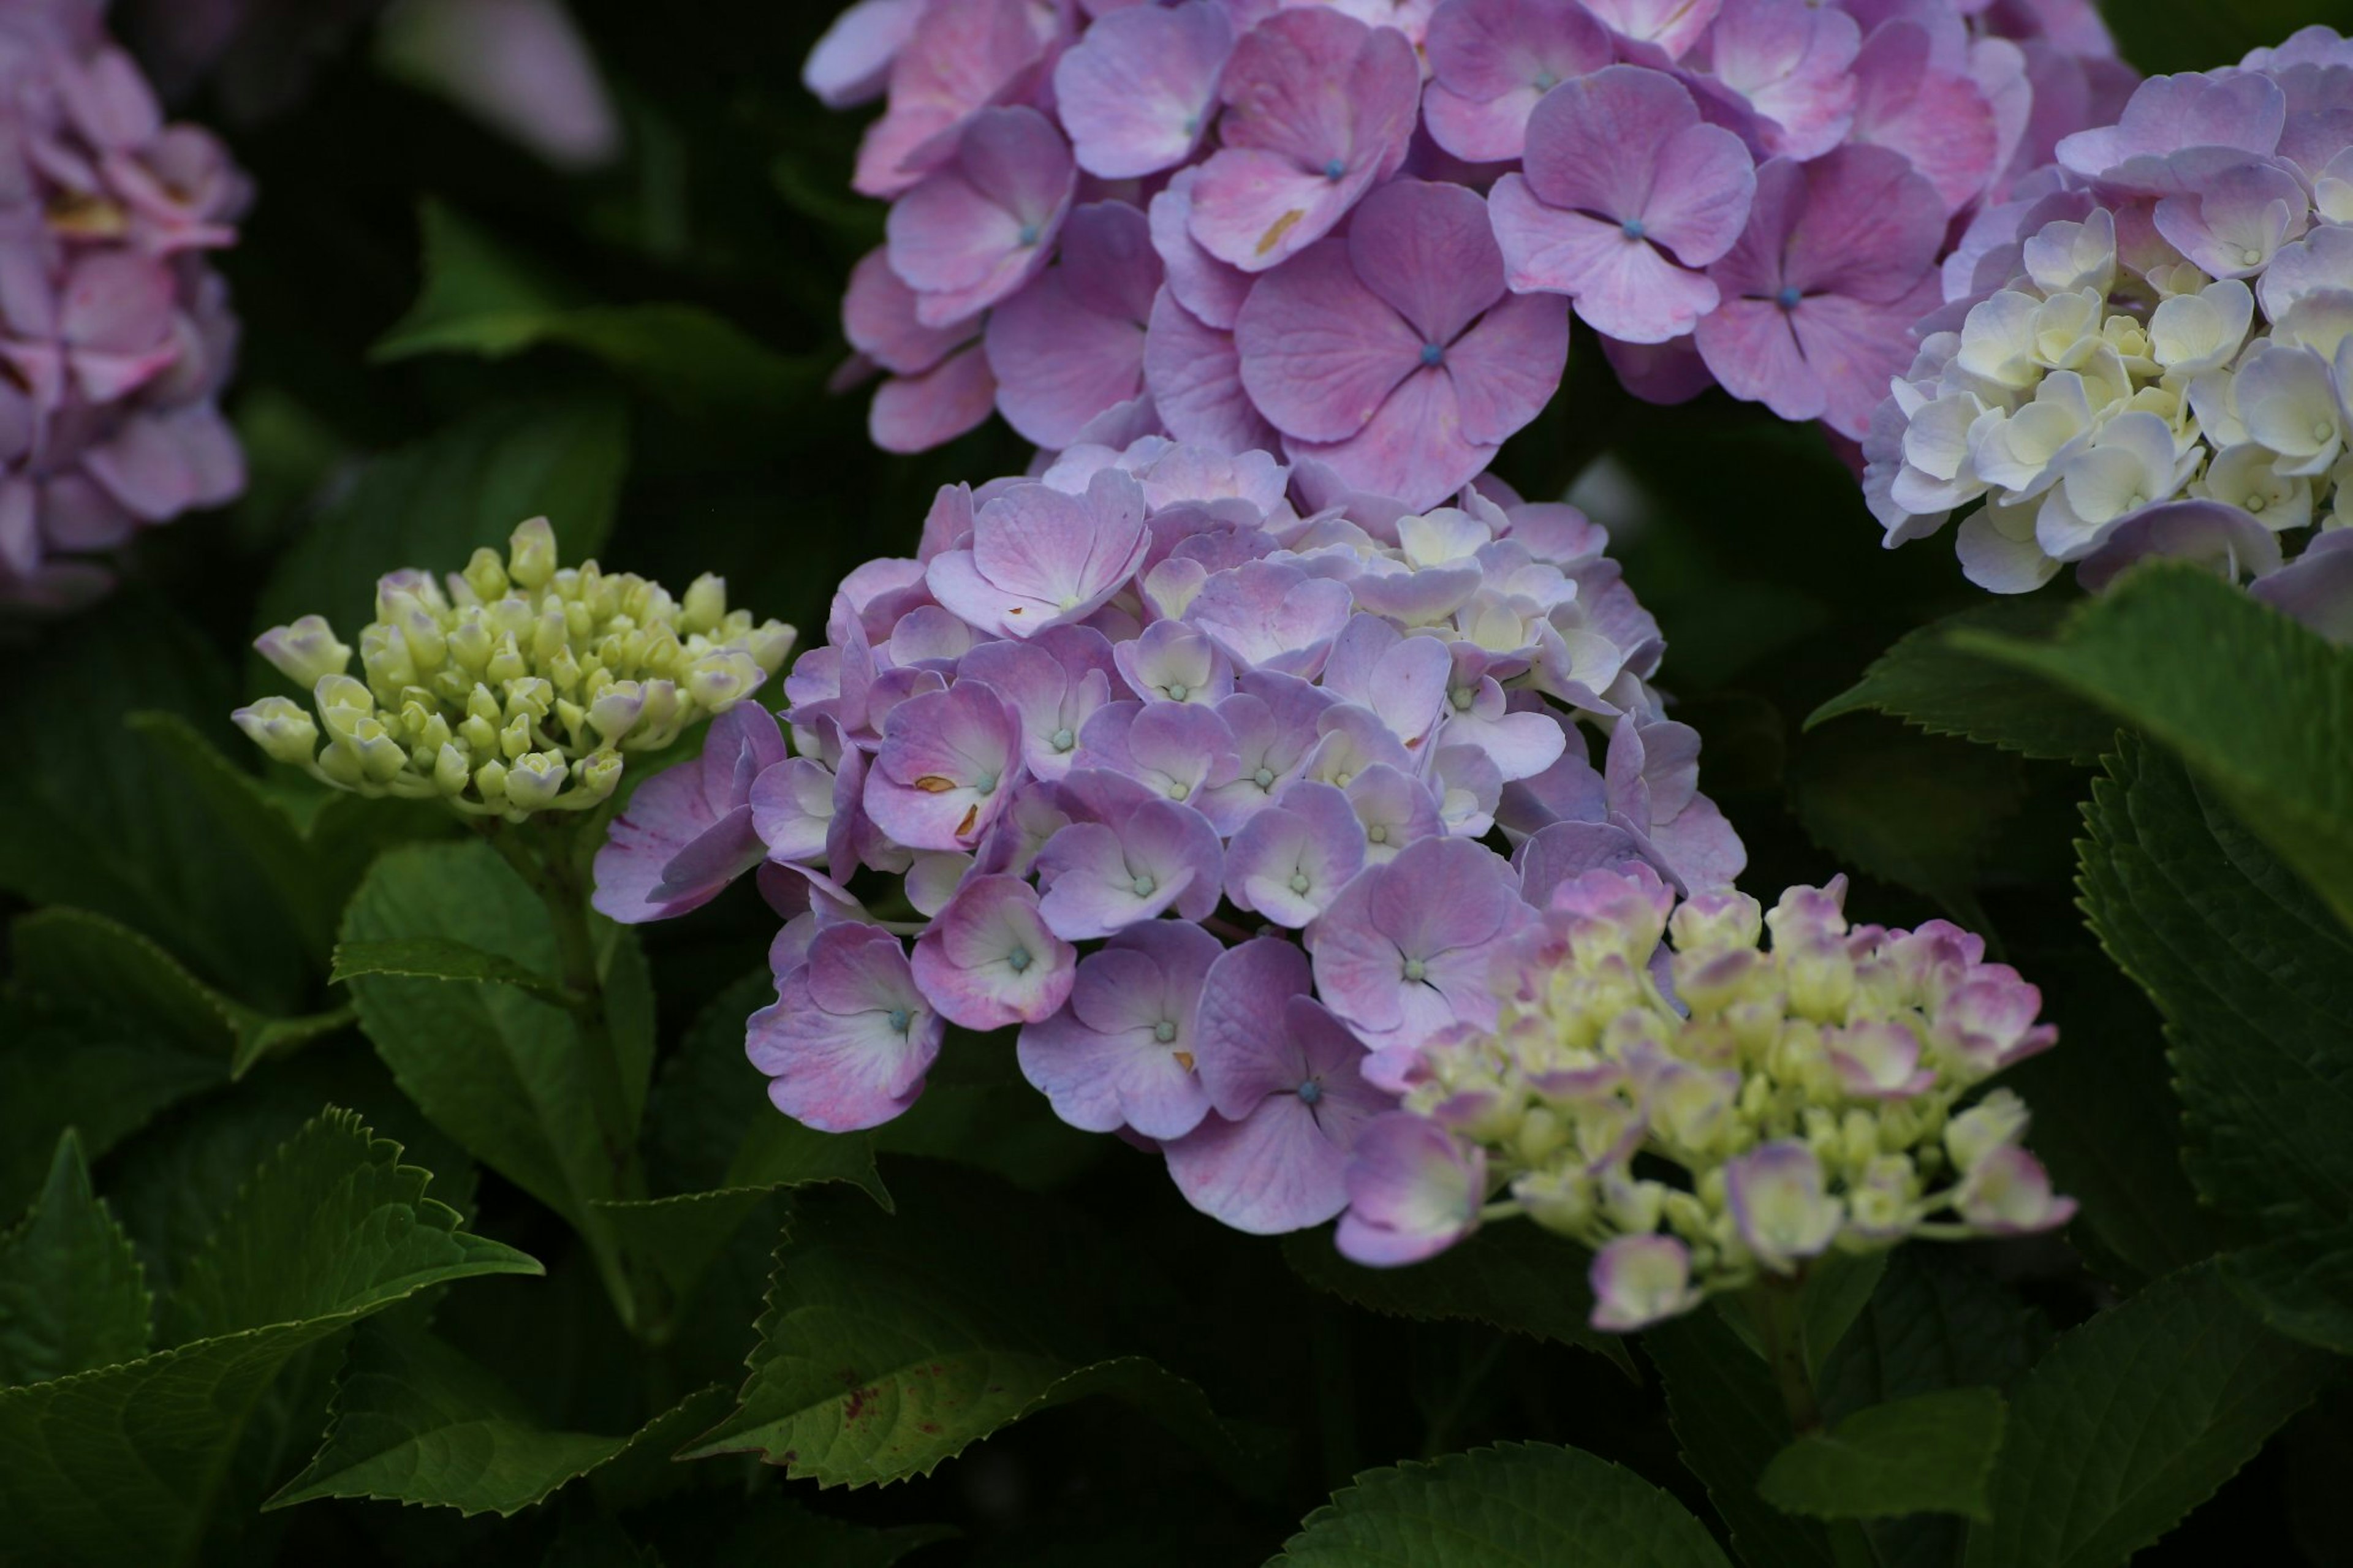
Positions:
(1201, 778)
(1353, 233)
(1815, 1096)
(115, 335)
(2148, 350)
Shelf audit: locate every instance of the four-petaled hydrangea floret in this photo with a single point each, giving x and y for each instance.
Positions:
(1810, 1092)
(516, 687)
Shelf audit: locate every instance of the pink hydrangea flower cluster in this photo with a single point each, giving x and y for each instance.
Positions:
(1815, 1096)
(1353, 233)
(1200, 776)
(2148, 350)
(115, 335)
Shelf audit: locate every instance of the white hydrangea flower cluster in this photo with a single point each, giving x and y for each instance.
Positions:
(2080, 400)
(515, 689)
(1808, 1091)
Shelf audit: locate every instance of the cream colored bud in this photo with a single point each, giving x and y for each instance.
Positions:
(531, 554)
(616, 710)
(304, 651)
(490, 780)
(507, 662)
(599, 776)
(280, 728)
(486, 575)
(770, 644)
(452, 770)
(535, 779)
(470, 641)
(341, 691)
(705, 604)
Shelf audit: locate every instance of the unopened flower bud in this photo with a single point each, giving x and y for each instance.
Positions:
(304, 651)
(535, 779)
(279, 727)
(705, 604)
(531, 554)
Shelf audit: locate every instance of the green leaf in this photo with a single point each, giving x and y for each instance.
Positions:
(97, 826)
(72, 1296)
(100, 1078)
(2107, 1121)
(440, 958)
(892, 1343)
(1934, 1323)
(1933, 1453)
(415, 1421)
(311, 843)
(1926, 680)
(124, 1463)
(432, 504)
(2256, 984)
(504, 1072)
(1729, 1418)
(72, 958)
(2259, 708)
(1513, 1504)
(2132, 1420)
(1515, 1276)
(1920, 811)
(480, 298)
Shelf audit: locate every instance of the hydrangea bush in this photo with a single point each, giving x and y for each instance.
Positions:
(2142, 351)
(1407, 878)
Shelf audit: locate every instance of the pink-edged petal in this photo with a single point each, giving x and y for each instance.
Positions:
(1209, 287)
(1254, 210)
(1137, 91)
(1274, 1171)
(1413, 447)
(1195, 374)
(1506, 368)
(1870, 228)
(1059, 365)
(1700, 203)
(916, 413)
(1320, 351)
(1855, 348)
(985, 224)
(877, 317)
(1750, 346)
(851, 62)
(1594, 142)
(1491, 59)
(1428, 252)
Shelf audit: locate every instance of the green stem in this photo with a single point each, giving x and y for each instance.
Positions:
(1776, 1306)
(543, 854)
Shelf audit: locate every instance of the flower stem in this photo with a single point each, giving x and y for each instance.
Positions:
(1776, 1306)
(542, 853)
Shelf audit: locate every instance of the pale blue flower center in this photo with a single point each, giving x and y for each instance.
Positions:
(1632, 228)
(1062, 740)
(1546, 82)
(1310, 1093)
(1179, 691)
(1163, 1031)
(1790, 298)
(1144, 886)
(1263, 778)
(1299, 882)
(986, 784)
(900, 1020)
(1334, 169)
(1029, 234)
(1414, 970)
(1017, 960)
(1433, 354)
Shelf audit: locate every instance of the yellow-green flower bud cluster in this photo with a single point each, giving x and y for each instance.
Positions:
(1809, 1092)
(514, 688)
